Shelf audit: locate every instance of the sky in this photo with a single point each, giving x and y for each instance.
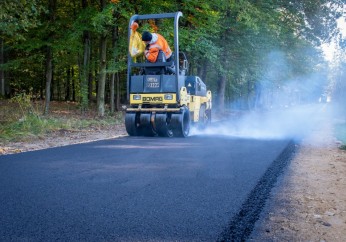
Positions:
(342, 25)
(330, 48)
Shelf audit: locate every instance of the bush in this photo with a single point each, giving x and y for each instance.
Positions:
(21, 120)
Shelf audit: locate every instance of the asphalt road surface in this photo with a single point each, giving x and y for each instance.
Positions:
(134, 189)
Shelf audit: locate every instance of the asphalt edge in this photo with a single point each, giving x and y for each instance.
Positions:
(241, 225)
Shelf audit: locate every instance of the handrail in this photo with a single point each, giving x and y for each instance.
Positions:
(131, 64)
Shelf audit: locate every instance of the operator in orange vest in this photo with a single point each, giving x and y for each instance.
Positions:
(154, 43)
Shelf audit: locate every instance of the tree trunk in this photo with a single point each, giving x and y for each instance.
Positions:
(90, 86)
(73, 85)
(49, 56)
(112, 86)
(221, 88)
(68, 84)
(221, 93)
(85, 72)
(43, 80)
(204, 71)
(115, 76)
(2, 72)
(102, 78)
(58, 82)
(118, 92)
(52, 93)
(250, 101)
(85, 69)
(258, 94)
(49, 74)
(117, 84)
(102, 75)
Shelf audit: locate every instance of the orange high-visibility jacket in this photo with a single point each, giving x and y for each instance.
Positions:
(156, 44)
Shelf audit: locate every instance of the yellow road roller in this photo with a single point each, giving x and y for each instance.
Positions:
(162, 99)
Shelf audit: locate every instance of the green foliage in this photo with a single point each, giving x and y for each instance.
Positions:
(232, 38)
(102, 20)
(24, 103)
(32, 125)
(18, 17)
(26, 121)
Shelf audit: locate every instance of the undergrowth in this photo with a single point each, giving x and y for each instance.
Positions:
(21, 120)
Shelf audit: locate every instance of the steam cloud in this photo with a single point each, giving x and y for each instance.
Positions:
(288, 123)
(283, 110)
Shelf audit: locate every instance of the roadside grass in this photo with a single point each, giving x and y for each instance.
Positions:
(340, 133)
(22, 120)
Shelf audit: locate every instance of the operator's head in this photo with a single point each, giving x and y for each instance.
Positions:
(146, 36)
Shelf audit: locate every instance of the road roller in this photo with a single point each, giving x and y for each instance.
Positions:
(162, 99)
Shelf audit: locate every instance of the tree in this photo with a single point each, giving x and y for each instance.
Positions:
(253, 29)
(103, 65)
(227, 43)
(16, 19)
(49, 55)
(2, 72)
(86, 64)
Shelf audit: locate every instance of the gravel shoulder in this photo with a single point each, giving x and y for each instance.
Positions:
(309, 204)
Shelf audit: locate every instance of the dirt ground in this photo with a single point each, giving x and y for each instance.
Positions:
(309, 204)
(62, 138)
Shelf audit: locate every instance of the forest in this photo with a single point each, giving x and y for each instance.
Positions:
(250, 53)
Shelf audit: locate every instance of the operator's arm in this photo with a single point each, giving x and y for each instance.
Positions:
(152, 54)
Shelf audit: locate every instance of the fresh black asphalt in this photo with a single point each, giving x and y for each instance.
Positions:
(132, 189)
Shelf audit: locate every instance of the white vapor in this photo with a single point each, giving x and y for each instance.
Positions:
(289, 123)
